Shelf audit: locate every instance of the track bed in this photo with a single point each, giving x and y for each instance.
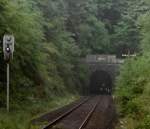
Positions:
(97, 112)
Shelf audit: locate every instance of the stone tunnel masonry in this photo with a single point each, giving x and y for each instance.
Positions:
(107, 63)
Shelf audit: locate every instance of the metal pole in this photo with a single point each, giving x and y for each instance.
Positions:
(7, 87)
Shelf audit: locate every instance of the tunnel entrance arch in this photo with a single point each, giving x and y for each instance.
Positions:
(100, 82)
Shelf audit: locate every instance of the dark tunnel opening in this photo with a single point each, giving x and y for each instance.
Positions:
(100, 83)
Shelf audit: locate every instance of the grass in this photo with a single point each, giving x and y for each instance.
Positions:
(20, 119)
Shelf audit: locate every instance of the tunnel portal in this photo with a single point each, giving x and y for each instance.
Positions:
(100, 83)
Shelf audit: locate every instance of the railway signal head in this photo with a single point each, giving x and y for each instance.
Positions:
(8, 47)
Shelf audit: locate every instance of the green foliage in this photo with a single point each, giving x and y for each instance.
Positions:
(133, 86)
(20, 19)
(21, 119)
(145, 123)
(46, 56)
(133, 89)
(94, 36)
(53, 35)
(127, 31)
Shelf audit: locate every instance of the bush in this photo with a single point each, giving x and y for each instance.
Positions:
(133, 87)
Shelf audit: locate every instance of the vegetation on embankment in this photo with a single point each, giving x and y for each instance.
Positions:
(133, 84)
(46, 59)
(21, 118)
(51, 38)
(133, 94)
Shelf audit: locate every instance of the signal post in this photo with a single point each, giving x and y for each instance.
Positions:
(8, 50)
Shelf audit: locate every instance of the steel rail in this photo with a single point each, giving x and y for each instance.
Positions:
(53, 122)
(88, 116)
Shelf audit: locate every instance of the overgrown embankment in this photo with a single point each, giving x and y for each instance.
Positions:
(46, 61)
(46, 70)
(51, 37)
(133, 85)
(21, 119)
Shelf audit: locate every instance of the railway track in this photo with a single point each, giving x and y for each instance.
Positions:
(53, 122)
(88, 116)
(104, 116)
(51, 116)
(91, 113)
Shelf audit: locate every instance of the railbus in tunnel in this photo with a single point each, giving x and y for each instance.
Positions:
(100, 83)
